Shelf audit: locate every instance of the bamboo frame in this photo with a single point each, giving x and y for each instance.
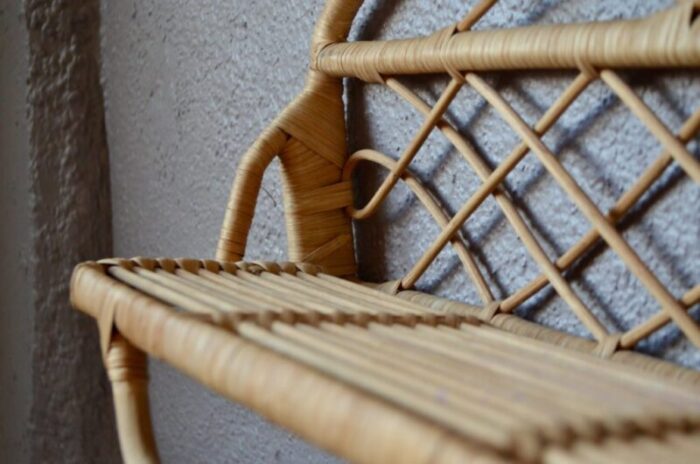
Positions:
(382, 373)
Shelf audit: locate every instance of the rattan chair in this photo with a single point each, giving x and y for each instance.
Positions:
(384, 373)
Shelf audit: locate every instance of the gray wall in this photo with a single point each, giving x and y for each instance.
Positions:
(189, 85)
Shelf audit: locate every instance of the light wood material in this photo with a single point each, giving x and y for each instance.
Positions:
(355, 425)
(395, 360)
(381, 372)
(127, 370)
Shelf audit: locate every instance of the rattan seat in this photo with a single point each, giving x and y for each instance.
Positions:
(380, 372)
(504, 395)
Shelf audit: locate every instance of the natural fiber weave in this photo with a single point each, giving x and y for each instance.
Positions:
(381, 372)
(505, 395)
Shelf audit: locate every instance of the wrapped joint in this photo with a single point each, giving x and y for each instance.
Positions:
(124, 362)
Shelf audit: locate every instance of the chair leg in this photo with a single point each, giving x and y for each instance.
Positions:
(127, 370)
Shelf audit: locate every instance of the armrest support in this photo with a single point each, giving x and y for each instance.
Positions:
(244, 194)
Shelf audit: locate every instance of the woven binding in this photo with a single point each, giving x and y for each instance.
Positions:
(388, 374)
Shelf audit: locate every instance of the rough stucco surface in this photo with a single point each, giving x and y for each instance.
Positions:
(16, 316)
(71, 418)
(189, 85)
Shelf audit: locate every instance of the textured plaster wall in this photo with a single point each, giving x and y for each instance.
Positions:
(189, 85)
(55, 209)
(70, 418)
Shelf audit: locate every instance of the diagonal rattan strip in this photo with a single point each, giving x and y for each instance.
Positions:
(397, 169)
(477, 163)
(474, 15)
(491, 181)
(490, 184)
(607, 231)
(658, 320)
(674, 147)
(428, 125)
(430, 204)
(409, 152)
(626, 201)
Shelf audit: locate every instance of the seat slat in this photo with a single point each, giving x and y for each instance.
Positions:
(516, 396)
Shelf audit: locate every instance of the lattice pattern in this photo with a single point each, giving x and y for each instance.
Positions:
(603, 225)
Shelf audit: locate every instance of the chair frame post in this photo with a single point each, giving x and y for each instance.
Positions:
(127, 368)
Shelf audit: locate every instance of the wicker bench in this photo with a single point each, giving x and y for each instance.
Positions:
(385, 373)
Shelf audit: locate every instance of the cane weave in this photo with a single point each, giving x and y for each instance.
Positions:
(384, 373)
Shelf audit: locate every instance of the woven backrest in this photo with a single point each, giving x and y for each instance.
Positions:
(596, 51)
